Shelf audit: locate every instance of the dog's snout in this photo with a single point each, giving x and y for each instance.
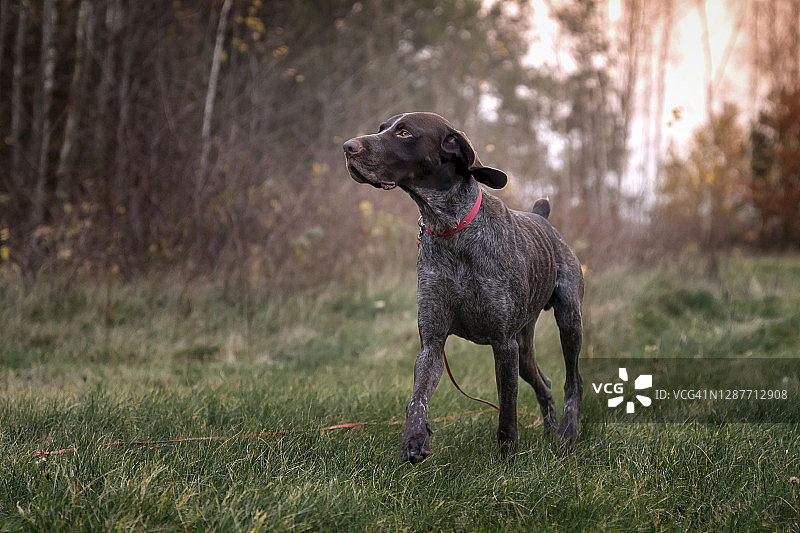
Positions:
(352, 147)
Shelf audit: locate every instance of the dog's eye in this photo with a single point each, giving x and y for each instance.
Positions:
(402, 132)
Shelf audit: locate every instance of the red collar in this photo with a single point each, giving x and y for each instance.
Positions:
(465, 221)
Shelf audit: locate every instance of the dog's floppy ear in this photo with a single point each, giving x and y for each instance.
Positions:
(457, 144)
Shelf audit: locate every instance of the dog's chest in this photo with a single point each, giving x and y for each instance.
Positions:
(481, 299)
(485, 310)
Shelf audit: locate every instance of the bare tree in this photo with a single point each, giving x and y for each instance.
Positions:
(4, 16)
(775, 42)
(41, 112)
(112, 25)
(16, 98)
(208, 113)
(708, 63)
(77, 92)
(120, 177)
(667, 15)
(213, 78)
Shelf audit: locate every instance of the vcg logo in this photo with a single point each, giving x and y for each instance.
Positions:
(644, 381)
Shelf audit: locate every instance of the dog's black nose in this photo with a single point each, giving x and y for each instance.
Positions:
(352, 147)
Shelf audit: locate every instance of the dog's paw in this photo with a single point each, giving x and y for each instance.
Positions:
(508, 449)
(416, 445)
(567, 434)
(508, 441)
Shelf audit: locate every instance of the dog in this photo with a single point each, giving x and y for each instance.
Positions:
(485, 272)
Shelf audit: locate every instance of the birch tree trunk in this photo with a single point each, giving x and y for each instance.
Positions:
(707, 60)
(213, 78)
(208, 112)
(707, 207)
(661, 78)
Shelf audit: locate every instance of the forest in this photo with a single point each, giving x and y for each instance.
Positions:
(204, 137)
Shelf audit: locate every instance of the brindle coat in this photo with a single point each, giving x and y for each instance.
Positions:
(487, 283)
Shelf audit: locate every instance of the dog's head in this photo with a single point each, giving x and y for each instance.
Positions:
(417, 150)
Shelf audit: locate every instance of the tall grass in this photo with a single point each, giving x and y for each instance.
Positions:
(83, 365)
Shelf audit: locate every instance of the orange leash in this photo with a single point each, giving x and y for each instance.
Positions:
(42, 454)
(452, 379)
(449, 373)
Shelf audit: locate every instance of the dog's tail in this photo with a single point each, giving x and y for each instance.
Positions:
(541, 207)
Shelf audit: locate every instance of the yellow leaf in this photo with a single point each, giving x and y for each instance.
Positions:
(366, 208)
(4, 253)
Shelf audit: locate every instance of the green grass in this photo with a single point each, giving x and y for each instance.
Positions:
(85, 365)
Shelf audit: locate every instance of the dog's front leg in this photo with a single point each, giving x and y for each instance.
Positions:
(506, 367)
(427, 371)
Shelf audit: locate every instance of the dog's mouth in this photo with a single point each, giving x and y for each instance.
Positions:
(370, 178)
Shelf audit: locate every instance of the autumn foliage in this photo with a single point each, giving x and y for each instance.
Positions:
(143, 136)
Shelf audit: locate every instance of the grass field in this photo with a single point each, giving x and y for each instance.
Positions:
(81, 366)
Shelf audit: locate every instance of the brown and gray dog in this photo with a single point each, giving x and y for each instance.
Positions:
(485, 272)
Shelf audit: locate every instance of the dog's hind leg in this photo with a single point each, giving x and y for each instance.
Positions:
(531, 373)
(567, 308)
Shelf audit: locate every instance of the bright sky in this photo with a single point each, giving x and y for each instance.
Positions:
(685, 73)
